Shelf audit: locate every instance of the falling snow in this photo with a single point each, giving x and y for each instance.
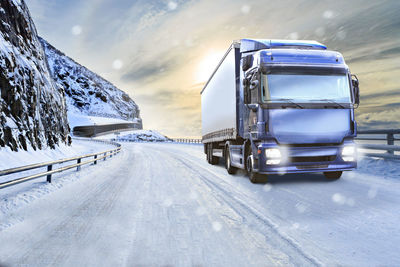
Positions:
(338, 198)
(245, 9)
(372, 193)
(267, 187)
(294, 36)
(217, 226)
(172, 5)
(76, 30)
(117, 64)
(328, 14)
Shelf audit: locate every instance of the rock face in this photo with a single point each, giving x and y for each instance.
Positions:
(33, 108)
(87, 92)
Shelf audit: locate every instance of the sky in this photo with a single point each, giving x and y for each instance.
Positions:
(162, 52)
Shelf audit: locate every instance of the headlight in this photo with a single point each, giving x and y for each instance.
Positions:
(348, 153)
(273, 156)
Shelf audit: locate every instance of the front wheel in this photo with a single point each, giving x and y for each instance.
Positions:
(254, 177)
(333, 175)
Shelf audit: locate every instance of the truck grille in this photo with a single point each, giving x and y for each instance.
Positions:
(306, 167)
(312, 159)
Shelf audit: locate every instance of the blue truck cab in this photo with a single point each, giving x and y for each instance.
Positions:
(281, 106)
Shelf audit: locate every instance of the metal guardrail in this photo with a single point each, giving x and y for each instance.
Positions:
(186, 140)
(389, 137)
(50, 171)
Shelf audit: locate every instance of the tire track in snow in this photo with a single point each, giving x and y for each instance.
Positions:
(244, 208)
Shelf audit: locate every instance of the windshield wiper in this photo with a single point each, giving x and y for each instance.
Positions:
(289, 101)
(330, 101)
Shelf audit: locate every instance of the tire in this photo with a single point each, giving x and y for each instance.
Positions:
(333, 175)
(254, 177)
(212, 159)
(208, 153)
(257, 178)
(229, 168)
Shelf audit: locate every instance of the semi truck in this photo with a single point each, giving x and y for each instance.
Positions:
(280, 106)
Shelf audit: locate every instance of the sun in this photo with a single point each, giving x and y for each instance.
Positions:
(207, 66)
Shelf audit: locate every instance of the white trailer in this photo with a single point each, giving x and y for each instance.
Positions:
(219, 99)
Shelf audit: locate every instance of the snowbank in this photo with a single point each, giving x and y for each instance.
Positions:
(137, 136)
(10, 159)
(15, 197)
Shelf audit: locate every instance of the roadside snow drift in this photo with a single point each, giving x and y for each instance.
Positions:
(142, 136)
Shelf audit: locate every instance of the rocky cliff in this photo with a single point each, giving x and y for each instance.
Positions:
(33, 108)
(87, 92)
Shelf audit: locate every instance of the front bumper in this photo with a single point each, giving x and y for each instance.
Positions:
(303, 159)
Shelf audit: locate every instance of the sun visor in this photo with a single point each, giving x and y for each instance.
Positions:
(249, 45)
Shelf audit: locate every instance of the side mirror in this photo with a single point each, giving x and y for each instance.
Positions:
(355, 83)
(247, 62)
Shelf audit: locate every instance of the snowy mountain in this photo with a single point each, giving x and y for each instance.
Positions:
(32, 106)
(86, 92)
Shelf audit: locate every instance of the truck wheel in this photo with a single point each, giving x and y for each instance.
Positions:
(254, 177)
(228, 163)
(208, 153)
(211, 159)
(333, 175)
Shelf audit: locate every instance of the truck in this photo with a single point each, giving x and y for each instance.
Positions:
(280, 106)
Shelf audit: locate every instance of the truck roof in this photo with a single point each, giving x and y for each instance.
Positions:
(300, 56)
(248, 45)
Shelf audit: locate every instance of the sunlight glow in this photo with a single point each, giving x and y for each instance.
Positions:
(207, 65)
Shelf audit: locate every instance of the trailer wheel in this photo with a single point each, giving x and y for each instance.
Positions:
(333, 175)
(254, 177)
(210, 158)
(228, 163)
(207, 153)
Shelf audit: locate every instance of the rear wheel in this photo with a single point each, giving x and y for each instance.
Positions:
(333, 175)
(254, 177)
(228, 163)
(208, 153)
(210, 158)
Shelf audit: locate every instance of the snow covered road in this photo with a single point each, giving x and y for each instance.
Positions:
(163, 204)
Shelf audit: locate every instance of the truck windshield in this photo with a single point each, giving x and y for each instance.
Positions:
(306, 88)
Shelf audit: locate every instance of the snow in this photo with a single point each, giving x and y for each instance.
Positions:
(142, 135)
(86, 92)
(136, 136)
(79, 119)
(10, 159)
(163, 204)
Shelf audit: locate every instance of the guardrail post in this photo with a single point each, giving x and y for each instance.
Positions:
(95, 157)
(105, 156)
(390, 141)
(78, 168)
(49, 168)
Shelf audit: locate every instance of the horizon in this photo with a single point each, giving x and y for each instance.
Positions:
(162, 52)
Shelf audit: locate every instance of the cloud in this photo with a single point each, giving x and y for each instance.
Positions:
(143, 73)
(386, 118)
